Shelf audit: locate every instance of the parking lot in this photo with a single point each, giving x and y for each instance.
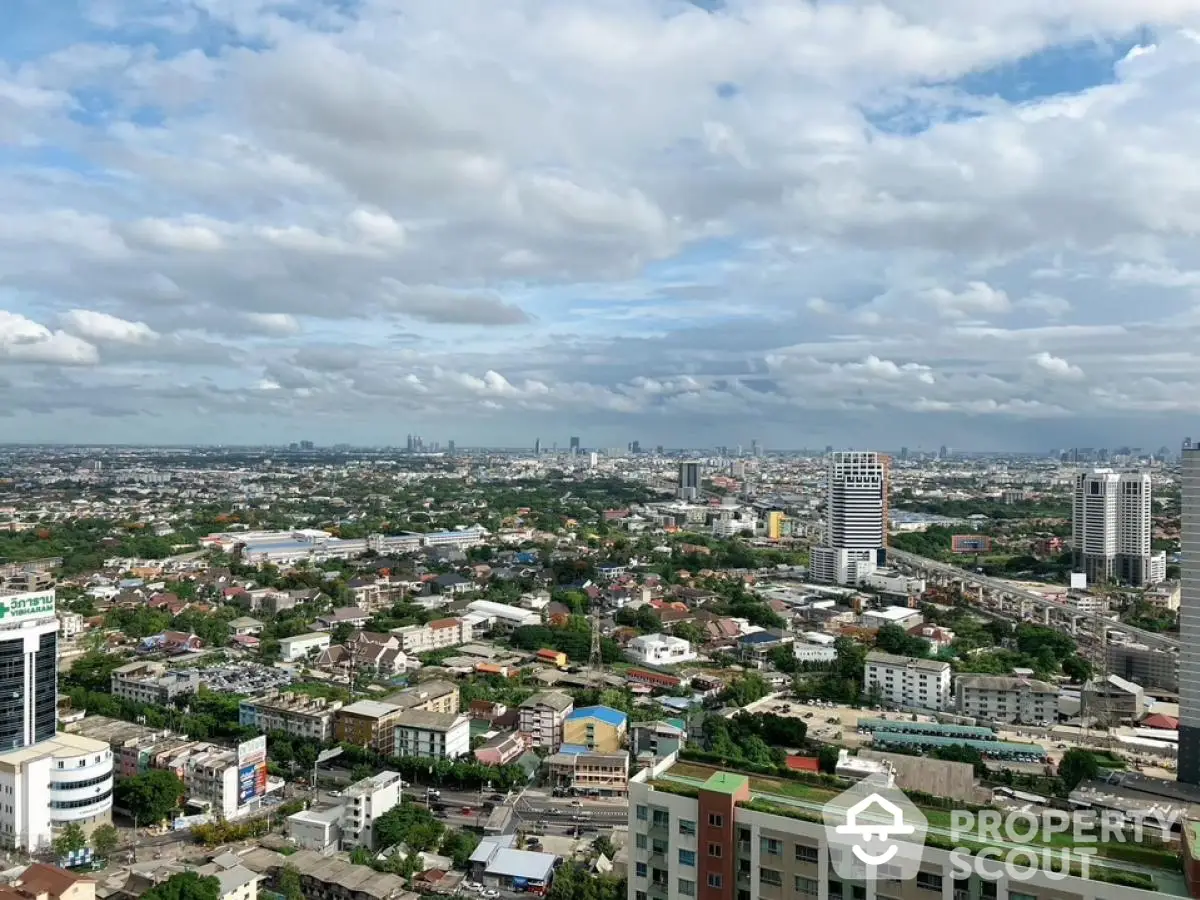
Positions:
(829, 721)
(244, 678)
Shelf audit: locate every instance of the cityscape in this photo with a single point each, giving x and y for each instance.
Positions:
(627, 450)
(437, 670)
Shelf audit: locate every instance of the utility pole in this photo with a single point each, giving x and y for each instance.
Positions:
(595, 657)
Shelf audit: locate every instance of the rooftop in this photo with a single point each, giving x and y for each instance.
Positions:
(370, 709)
(726, 783)
(605, 714)
(430, 721)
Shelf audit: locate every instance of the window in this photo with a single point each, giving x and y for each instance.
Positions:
(643, 813)
(641, 870)
(687, 857)
(687, 826)
(806, 854)
(714, 850)
(687, 888)
(770, 877)
(715, 820)
(771, 847)
(640, 895)
(807, 886)
(928, 881)
(640, 841)
(714, 881)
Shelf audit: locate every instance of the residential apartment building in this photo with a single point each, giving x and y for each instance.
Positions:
(364, 802)
(907, 682)
(437, 695)
(856, 518)
(431, 734)
(1002, 698)
(596, 728)
(1152, 667)
(298, 715)
(303, 646)
(542, 717)
(1111, 528)
(431, 636)
(659, 650)
(707, 844)
(606, 774)
(367, 723)
(151, 682)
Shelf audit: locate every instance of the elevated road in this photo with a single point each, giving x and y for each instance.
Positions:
(1005, 590)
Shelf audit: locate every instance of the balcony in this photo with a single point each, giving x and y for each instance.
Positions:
(743, 848)
(659, 889)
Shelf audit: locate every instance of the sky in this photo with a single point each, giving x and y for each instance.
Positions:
(849, 222)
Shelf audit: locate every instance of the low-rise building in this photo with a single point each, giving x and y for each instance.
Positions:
(658, 739)
(431, 734)
(367, 723)
(659, 650)
(500, 617)
(40, 881)
(303, 646)
(298, 715)
(541, 717)
(502, 749)
(596, 728)
(907, 682)
(497, 864)
(436, 695)
(891, 615)
(151, 682)
(347, 615)
(1113, 699)
(317, 829)
(245, 625)
(365, 802)
(435, 635)
(592, 773)
(1002, 698)
(813, 653)
(67, 779)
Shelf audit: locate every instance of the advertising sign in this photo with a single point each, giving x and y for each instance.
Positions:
(248, 784)
(15, 607)
(253, 751)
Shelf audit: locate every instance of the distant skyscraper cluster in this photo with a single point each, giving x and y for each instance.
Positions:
(1111, 528)
(856, 518)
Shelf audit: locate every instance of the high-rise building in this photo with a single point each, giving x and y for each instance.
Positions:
(755, 450)
(537, 446)
(856, 518)
(635, 446)
(1111, 528)
(450, 449)
(574, 445)
(689, 480)
(1189, 617)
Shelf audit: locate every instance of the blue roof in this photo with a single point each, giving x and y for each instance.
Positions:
(758, 637)
(572, 749)
(605, 714)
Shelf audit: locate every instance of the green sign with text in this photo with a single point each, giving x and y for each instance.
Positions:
(14, 607)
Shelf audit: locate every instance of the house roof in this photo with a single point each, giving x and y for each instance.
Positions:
(527, 864)
(42, 878)
(605, 714)
(1158, 720)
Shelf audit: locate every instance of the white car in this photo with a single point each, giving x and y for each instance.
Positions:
(472, 886)
(490, 894)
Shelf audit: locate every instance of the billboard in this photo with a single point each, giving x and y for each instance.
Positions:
(970, 543)
(253, 751)
(15, 607)
(247, 784)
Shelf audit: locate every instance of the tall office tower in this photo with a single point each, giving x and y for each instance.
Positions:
(903, 454)
(537, 446)
(1189, 618)
(856, 513)
(593, 460)
(450, 449)
(574, 445)
(1111, 528)
(689, 480)
(28, 669)
(943, 451)
(754, 451)
(635, 447)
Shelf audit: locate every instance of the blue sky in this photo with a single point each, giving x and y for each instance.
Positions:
(850, 223)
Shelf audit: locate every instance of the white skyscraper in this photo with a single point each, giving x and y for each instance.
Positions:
(1189, 619)
(856, 518)
(1111, 528)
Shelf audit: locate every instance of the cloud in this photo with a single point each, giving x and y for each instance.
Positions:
(24, 341)
(102, 328)
(430, 303)
(855, 222)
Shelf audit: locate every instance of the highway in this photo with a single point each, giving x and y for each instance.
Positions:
(997, 585)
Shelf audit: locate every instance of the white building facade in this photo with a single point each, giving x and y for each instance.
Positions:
(907, 682)
(1001, 698)
(432, 735)
(1111, 528)
(856, 518)
(659, 650)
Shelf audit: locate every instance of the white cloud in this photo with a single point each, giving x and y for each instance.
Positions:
(102, 328)
(1056, 366)
(23, 340)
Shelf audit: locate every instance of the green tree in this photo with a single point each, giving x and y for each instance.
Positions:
(827, 758)
(150, 797)
(342, 632)
(105, 840)
(69, 839)
(1077, 766)
(186, 886)
(1077, 668)
(290, 884)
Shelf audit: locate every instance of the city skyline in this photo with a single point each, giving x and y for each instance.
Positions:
(828, 223)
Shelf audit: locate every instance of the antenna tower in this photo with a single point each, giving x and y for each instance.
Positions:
(595, 657)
